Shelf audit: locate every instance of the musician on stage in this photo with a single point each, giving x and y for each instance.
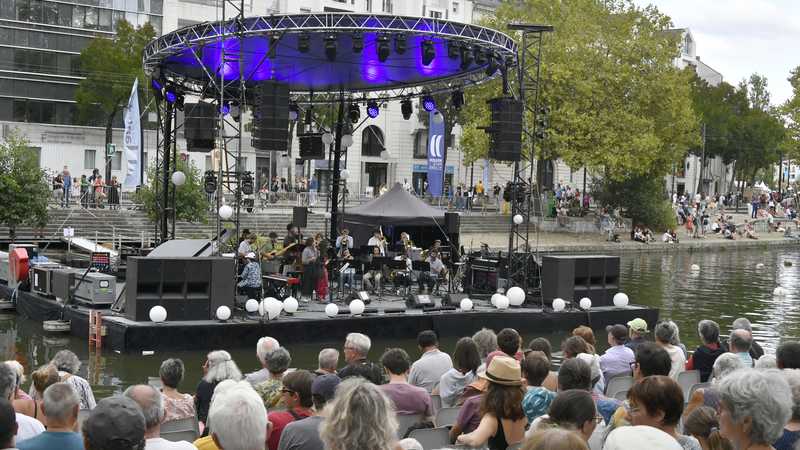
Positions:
(437, 272)
(344, 242)
(251, 277)
(372, 278)
(407, 243)
(347, 276)
(309, 259)
(377, 240)
(485, 250)
(270, 247)
(291, 257)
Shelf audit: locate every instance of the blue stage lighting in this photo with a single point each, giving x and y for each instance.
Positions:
(171, 96)
(225, 109)
(372, 109)
(156, 84)
(428, 52)
(428, 103)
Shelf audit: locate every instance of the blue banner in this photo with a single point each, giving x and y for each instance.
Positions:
(435, 154)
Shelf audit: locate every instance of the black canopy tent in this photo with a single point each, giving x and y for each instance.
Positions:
(394, 212)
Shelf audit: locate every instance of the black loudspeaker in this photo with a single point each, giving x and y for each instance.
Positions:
(416, 301)
(311, 146)
(452, 223)
(200, 126)
(300, 216)
(270, 116)
(506, 129)
(574, 277)
(453, 299)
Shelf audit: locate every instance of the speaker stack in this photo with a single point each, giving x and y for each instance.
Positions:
(575, 277)
(300, 216)
(200, 126)
(506, 129)
(270, 116)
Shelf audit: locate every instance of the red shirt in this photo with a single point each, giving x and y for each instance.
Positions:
(279, 420)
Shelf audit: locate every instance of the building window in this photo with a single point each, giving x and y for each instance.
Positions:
(435, 14)
(421, 144)
(369, 5)
(455, 7)
(89, 159)
(387, 6)
(372, 141)
(116, 161)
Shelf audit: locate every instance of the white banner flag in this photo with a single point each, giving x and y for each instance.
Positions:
(133, 139)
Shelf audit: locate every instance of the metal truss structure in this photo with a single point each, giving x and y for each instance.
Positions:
(523, 259)
(166, 160)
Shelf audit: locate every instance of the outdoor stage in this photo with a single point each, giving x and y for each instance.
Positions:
(310, 324)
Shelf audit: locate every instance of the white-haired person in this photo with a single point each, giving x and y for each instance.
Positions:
(356, 349)
(219, 366)
(328, 361)
(264, 347)
(754, 407)
(19, 394)
(152, 404)
(360, 416)
(724, 365)
(791, 431)
(68, 365)
(238, 418)
(60, 403)
(665, 336)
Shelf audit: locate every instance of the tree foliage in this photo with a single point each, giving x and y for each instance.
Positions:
(720, 109)
(640, 197)
(23, 186)
(617, 103)
(791, 113)
(191, 204)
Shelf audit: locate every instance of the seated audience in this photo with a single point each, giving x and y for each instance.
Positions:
(704, 356)
(508, 342)
(360, 416)
(537, 399)
(572, 410)
(739, 344)
(27, 427)
(637, 330)
(743, 324)
(703, 425)
(305, 434)
(791, 431)
(766, 362)
(726, 364)
(356, 348)
(466, 361)
(618, 358)
(665, 334)
(657, 401)
(177, 406)
(68, 364)
(8, 425)
(296, 396)
(408, 400)
(429, 368)
(219, 366)
(641, 436)
(788, 355)
(576, 374)
(238, 418)
(151, 403)
(61, 405)
(486, 340)
(43, 378)
(264, 347)
(543, 345)
(278, 362)
(115, 423)
(555, 439)
(588, 335)
(328, 360)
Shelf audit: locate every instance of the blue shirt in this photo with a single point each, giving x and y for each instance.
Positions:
(53, 440)
(536, 402)
(251, 275)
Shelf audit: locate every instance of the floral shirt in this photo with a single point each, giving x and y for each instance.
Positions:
(251, 275)
(536, 402)
(270, 392)
(83, 389)
(175, 409)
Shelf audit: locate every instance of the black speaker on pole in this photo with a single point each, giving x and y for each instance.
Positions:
(200, 126)
(452, 223)
(311, 146)
(300, 216)
(270, 116)
(506, 129)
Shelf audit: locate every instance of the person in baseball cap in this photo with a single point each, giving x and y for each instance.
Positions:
(637, 330)
(618, 358)
(116, 422)
(305, 433)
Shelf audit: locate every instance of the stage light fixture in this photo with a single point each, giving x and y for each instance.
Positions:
(383, 48)
(466, 57)
(373, 109)
(428, 103)
(179, 101)
(273, 46)
(428, 52)
(309, 116)
(354, 112)
(156, 84)
(400, 43)
(453, 49)
(358, 42)
(303, 42)
(171, 96)
(480, 56)
(457, 97)
(406, 108)
(294, 111)
(225, 109)
(491, 61)
(210, 182)
(330, 47)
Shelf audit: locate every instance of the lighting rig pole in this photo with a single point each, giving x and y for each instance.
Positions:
(337, 164)
(165, 158)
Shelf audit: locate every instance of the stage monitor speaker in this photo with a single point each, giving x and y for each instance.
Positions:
(419, 301)
(200, 126)
(453, 299)
(452, 223)
(300, 216)
(506, 129)
(270, 116)
(311, 146)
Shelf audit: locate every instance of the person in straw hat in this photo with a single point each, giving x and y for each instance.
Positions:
(503, 421)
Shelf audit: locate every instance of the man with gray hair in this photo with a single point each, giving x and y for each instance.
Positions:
(328, 361)
(27, 427)
(152, 404)
(61, 405)
(739, 344)
(238, 419)
(264, 347)
(356, 349)
(743, 324)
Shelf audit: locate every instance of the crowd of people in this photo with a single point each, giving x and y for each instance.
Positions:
(89, 191)
(507, 392)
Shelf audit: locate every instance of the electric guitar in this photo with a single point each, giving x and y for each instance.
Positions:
(275, 253)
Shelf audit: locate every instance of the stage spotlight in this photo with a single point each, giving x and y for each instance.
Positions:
(373, 109)
(466, 57)
(406, 108)
(457, 97)
(428, 103)
(156, 84)
(294, 111)
(210, 182)
(480, 56)
(383, 48)
(330, 47)
(453, 49)
(428, 52)
(354, 112)
(491, 62)
(225, 109)
(303, 43)
(273, 46)
(179, 101)
(400, 43)
(358, 42)
(171, 96)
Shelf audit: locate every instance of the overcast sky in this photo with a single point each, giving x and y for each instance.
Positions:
(739, 37)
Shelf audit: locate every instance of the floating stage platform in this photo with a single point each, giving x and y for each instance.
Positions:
(383, 319)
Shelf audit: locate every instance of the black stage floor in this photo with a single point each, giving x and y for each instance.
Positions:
(310, 324)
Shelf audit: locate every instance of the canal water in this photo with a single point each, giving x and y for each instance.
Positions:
(729, 284)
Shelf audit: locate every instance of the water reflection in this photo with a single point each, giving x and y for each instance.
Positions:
(728, 285)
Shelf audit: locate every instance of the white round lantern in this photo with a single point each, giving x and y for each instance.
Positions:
(518, 219)
(272, 307)
(327, 139)
(494, 299)
(158, 314)
(516, 296)
(559, 305)
(502, 302)
(695, 267)
(344, 174)
(585, 303)
(621, 299)
(290, 305)
(466, 304)
(251, 305)
(178, 178)
(347, 140)
(223, 313)
(356, 307)
(327, 215)
(225, 212)
(331, 310)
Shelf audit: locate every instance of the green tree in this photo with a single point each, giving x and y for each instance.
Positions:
(617, 102)
(791, 113)
(191, 204)
(109, 67)
(640, 197)
(23, 186)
